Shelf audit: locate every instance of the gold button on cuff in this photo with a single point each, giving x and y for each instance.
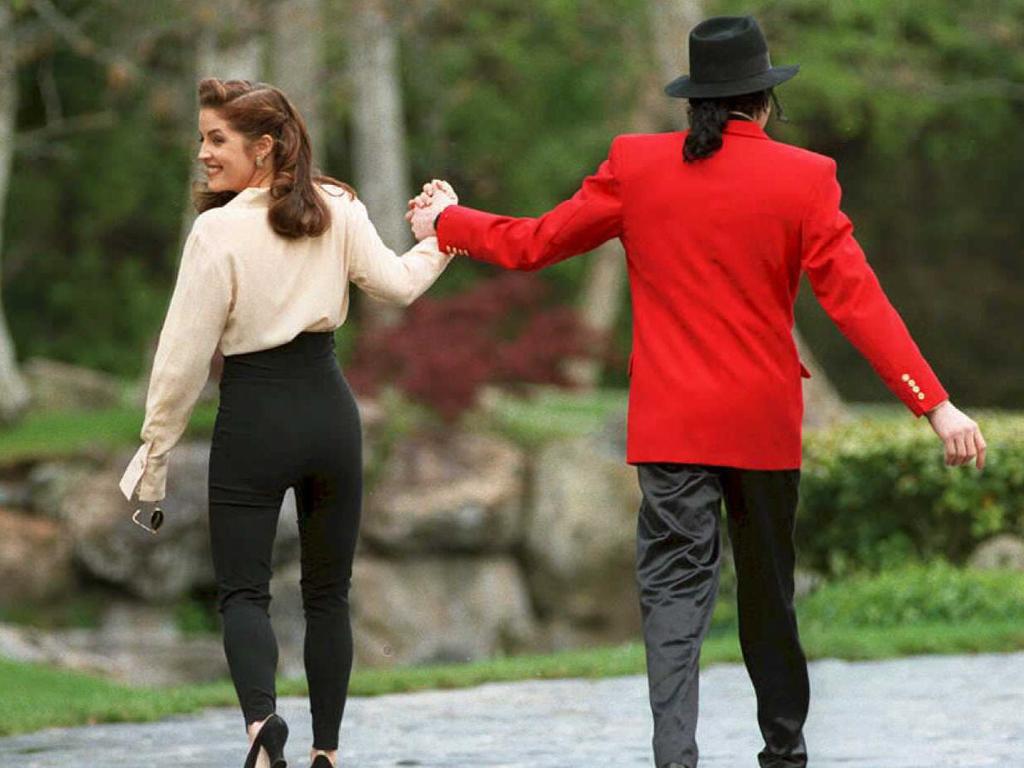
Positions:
(920, 396)
(911, 383)
(906, 377)
(916, 389)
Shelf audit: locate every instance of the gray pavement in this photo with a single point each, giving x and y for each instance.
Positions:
(924, 712)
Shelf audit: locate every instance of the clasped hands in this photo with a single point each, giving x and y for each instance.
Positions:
(424, 208)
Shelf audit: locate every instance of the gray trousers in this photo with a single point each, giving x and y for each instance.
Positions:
(678, 554)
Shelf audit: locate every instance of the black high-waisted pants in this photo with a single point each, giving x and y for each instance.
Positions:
(287, 419)
(678, 556)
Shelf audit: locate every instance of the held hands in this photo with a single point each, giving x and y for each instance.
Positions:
(423, 209)
(959, 433)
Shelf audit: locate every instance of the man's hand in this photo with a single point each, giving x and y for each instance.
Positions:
(959, 433)
(424, 208)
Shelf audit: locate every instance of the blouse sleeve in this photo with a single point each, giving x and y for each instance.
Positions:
(192, 329)
(378, 271)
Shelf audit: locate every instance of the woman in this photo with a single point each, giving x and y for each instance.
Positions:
(264, 275)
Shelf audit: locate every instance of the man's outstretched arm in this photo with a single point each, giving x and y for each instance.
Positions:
(581, 223)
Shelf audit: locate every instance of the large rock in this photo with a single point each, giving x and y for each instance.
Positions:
(35, 559)
(60, 386)
(451, 609)
(581, 540)
(136, 645)
(461, 495)
(1002, 552)
(167, 564)
(49, 483)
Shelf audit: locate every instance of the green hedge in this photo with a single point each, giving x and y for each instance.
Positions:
(937, 593)
(876, 494)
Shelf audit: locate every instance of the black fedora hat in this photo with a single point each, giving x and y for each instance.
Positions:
(728, 57)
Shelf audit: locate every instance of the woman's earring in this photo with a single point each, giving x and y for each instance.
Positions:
(259, 161)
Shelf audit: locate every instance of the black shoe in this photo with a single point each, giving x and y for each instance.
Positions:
(271, 736)
(321, 761)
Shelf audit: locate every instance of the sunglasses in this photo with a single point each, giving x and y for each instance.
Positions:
(156, 519)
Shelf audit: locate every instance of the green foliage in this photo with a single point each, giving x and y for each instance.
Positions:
(936, 593)
(919, 101)
(195, 616)
(83, 610)
(876, 494)
(93, 228)
(521, 102)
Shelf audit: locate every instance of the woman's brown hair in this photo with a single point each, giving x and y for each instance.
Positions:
(254, 109)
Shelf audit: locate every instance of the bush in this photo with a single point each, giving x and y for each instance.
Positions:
(445, 349)
(935, 593)
(876, 494)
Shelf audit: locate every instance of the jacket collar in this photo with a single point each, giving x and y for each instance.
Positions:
(745, 128)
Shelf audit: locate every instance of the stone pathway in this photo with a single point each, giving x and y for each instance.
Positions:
(925, 712)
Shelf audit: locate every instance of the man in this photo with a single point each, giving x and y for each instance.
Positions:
(718, 224)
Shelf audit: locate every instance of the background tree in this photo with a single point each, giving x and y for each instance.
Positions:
(298, 61)
(379, 159)
(14, 395)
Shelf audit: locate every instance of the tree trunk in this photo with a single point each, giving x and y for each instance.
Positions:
(231, 50)
(228, 46)
(14, 392)
(380, 164)
(822, 405)
(298, 29)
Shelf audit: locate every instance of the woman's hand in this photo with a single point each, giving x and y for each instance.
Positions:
(959, 434)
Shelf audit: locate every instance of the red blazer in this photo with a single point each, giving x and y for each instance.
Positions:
(715, 251)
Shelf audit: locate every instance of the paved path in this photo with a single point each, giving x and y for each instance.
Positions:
(925, 712)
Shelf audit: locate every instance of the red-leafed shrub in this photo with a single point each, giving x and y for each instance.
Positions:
(444, 350)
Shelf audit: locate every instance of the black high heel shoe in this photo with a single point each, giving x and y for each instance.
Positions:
(271, 736)
(321, 761)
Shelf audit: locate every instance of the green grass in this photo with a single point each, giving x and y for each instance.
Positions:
(34, 697)
(543, 414)
(58, 434)
(547, 413)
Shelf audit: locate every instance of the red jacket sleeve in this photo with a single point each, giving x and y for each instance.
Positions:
(849, 291)
(581, 223)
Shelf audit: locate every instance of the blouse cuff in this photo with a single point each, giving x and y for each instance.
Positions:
(147, 473)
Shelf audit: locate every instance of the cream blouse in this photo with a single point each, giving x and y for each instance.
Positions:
(243, 287)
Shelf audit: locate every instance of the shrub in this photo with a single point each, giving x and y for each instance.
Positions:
(877, 494)
(446, 349)
(937, 592)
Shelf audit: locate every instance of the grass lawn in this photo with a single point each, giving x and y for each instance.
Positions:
(62, 434)
(34, 697)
